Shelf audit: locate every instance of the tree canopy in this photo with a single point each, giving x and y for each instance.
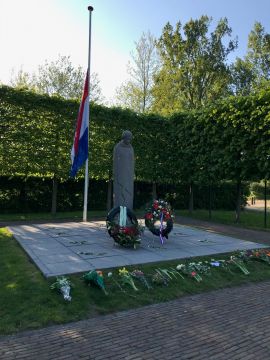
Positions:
(135, 93)
(59, 78)
(193, 65)
(253, 71)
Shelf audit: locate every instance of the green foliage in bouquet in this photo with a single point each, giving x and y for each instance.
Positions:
(95, 278)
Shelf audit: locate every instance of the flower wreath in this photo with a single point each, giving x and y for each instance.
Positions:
(129, 235)
(161, 211)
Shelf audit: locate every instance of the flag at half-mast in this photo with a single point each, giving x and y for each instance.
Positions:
(79, 151)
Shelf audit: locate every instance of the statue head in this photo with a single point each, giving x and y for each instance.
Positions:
(127, 137)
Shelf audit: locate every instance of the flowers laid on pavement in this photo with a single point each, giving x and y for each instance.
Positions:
(126, 278)
(63, 285)
(95, 278)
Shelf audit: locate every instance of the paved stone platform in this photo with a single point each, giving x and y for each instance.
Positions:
(73, 247)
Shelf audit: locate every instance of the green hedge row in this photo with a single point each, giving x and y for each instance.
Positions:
(20, 195)
(228, 141)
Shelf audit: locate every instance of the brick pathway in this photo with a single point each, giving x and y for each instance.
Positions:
(229, 324)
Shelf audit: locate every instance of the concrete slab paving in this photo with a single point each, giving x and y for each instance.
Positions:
(74, 247)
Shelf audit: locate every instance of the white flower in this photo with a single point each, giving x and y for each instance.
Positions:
(110, 274)
(179, 267)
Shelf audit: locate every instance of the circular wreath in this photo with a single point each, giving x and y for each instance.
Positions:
(129, 235)
(159, 210)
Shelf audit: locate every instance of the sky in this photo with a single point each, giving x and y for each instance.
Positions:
(32, 31)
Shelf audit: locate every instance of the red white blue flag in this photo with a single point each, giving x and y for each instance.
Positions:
(79, 152)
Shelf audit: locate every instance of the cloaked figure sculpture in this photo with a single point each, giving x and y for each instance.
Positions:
(123, 172)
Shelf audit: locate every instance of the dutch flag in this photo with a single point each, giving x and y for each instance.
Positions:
(79, 151)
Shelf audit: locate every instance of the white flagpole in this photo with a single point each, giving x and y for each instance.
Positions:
(86, 177)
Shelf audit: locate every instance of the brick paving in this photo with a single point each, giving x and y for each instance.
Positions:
(232, 323)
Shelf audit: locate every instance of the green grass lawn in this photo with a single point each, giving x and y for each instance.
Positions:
(248, 218)
(27, 302)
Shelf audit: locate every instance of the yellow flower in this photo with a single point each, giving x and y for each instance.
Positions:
(123, 271)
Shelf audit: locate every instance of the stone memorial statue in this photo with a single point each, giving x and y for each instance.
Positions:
(123, 172)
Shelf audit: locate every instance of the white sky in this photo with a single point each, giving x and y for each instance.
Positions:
(32, 31)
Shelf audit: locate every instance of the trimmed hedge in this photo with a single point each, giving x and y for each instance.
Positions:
(20, 195)
(226, 142)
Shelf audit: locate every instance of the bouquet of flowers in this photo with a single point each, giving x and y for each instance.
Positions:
(95, 277)
(138, 274)
(126, 278)
(164, 276)
(62, 285)
(189, 270)
(169, 274)
(257, 254)
(223, 264)
(159, 279)
(239, 263)
(201, 267)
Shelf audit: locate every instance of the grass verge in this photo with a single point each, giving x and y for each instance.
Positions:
(68, 215)
(26, 301)
(248, 218)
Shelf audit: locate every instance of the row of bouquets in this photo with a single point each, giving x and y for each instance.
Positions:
(193, 270)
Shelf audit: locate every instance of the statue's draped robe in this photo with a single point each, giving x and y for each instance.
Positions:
(123, 175)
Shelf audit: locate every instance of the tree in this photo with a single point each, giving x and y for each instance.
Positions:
(194, 69)
(135, 93)
(242, 77)
(259, 53)
(21, 80)
(253, 71)
(60, 78)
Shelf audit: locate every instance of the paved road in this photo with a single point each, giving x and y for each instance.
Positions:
(229, 324)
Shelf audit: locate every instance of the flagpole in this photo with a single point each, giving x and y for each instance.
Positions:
(86, 177)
